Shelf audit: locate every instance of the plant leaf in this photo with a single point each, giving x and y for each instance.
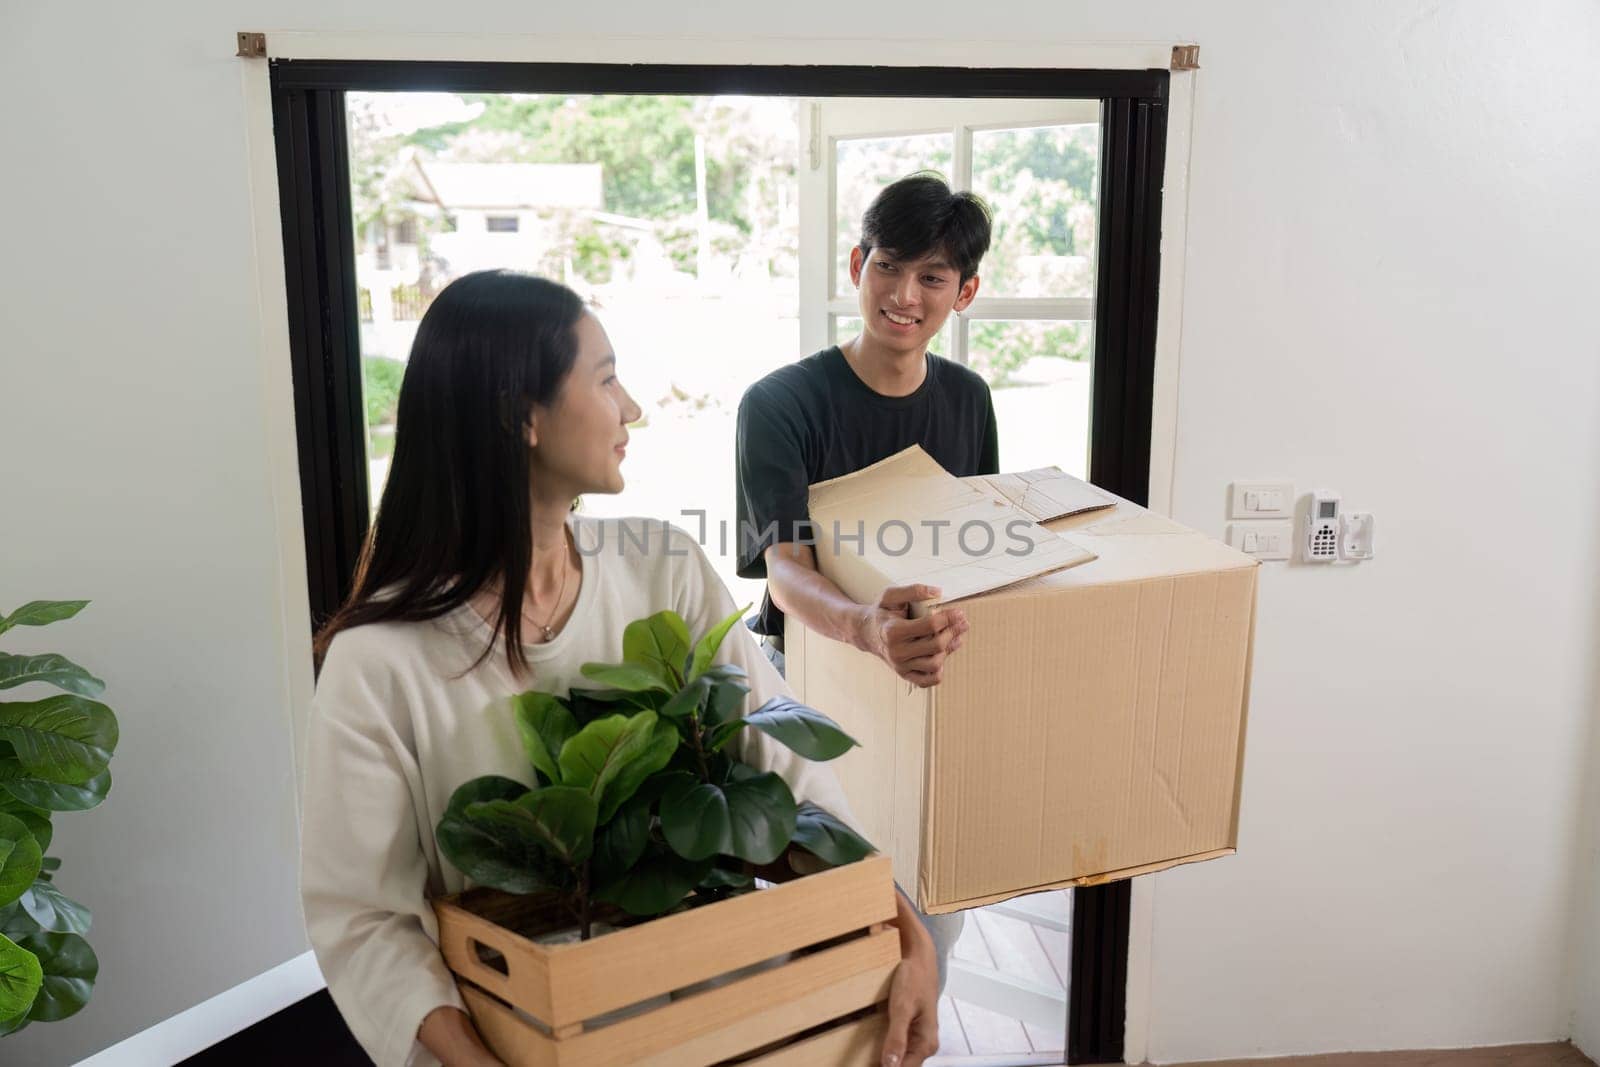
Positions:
(722, 878)
(726, 672)
(54, 796)
(659, 642)
(626, 676)
(20, 858)
(806, 730)
(488, 787)
(687, 700)
(727, 701)
(598, 754)
(705, 650)
(658, 752)
(559, 819)
(588, 705)
(762, 813)
(66, 739)
(490, 854)
(70, 968)
(14, 922)
(37, 820)
(825, 836)
(42, 613)
(51, 669)
(722, 733)
(21, 976)
(544, 726)
(695, 820)
(54, 911)
(657, 882)
(619, 843)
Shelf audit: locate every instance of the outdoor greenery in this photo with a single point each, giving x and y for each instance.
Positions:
(381, 377)
(638, 802)
(54, 755)
(1041, 184)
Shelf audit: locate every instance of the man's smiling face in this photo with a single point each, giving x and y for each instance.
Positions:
(904, 303)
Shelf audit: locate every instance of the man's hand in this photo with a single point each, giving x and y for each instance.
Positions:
(915, 648)
(913, 1033)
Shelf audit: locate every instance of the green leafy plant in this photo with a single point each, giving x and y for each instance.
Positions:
(638, 802)
(54, 755)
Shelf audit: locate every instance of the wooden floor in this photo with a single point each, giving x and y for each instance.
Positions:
(1014, 947)
(1562, 1055)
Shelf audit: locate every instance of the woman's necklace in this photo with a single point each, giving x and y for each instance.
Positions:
(545, 628)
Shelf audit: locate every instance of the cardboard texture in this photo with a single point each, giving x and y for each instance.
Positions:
(1046, 493)
(904, 520)
(1090, 728)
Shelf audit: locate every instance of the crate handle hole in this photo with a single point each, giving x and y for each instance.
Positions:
(490, 958)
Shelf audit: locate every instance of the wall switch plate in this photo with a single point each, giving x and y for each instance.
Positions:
(1261, 500)
(1263, 540)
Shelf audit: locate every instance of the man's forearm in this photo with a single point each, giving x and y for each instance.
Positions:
(801, 590)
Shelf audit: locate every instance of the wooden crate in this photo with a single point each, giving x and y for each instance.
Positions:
(536, 1005)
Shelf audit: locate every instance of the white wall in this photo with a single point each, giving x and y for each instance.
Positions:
(1392, 259)
(1391, 280)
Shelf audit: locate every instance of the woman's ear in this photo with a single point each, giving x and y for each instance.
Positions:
(530, 429)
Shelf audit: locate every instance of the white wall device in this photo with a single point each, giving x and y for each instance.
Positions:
(1355, 535)
(1322, 527)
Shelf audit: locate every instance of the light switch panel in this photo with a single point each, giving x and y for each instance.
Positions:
(1263, 540)
(1261, 500)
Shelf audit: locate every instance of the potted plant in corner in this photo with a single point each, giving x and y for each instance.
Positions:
(53, 757)
(656, 851)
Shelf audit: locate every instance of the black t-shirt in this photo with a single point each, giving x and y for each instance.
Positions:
(815, 419)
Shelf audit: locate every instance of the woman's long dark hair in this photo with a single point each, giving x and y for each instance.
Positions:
(455, 511)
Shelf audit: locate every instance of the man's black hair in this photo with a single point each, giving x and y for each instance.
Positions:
(920, 214)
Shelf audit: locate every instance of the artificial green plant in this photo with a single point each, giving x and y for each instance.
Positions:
(54, 754)
(638, 801)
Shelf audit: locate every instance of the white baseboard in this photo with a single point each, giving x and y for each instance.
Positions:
(214, 1020)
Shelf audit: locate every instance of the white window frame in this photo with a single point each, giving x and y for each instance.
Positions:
(825, 122)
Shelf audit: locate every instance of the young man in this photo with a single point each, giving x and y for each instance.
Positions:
(849, 406)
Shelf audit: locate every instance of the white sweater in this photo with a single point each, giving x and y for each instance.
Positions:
(396, 726)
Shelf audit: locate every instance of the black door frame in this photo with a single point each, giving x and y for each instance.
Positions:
(319, 257)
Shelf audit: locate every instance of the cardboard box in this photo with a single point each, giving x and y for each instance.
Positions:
(1090, 728)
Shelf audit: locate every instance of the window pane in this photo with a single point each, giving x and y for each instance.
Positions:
(599, 192)
(1039, 375)
(1042, 184)
(863, 168)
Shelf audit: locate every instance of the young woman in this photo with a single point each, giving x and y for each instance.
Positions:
(479, 582)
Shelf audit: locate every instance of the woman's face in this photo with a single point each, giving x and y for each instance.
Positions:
(579, 439)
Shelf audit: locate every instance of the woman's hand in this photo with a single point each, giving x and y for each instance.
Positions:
(448, 1033)
(914, 995)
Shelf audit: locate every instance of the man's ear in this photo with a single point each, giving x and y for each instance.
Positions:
(969, 292)
(857, 260)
